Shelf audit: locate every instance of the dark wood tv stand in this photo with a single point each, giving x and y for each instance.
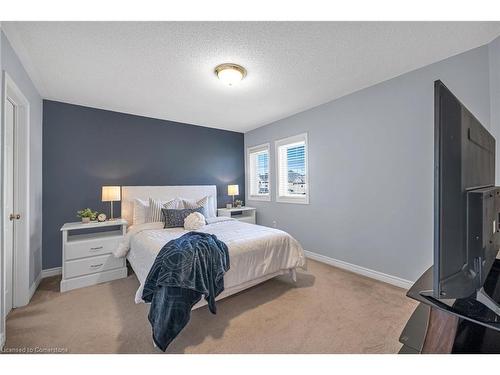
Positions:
(459, 326)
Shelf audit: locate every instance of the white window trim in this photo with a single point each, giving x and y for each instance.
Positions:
(250, 150)
(284, 141)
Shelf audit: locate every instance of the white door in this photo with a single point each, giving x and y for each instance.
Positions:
(10, 111)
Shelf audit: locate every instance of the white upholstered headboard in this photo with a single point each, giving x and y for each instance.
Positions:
(129, 193)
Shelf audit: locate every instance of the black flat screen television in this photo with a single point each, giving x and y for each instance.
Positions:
(466, 201)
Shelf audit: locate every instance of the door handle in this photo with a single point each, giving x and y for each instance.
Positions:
(14, 217)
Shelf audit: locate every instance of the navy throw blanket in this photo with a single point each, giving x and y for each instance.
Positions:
(184, 270)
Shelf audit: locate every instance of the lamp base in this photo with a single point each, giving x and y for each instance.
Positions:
(111, 206)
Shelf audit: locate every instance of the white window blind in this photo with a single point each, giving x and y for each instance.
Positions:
(291, 166)
(258, 172)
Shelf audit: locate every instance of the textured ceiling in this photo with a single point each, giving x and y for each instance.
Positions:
(165, 69)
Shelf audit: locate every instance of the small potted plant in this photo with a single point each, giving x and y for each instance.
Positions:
(87, 215)
(238, 203)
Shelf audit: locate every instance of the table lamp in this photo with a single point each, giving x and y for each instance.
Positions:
(233, 190)
(111, 194)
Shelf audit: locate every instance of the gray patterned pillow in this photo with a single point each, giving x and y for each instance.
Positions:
(203, 203)
(175, 218)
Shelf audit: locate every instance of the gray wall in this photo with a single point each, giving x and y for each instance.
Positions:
(11, 64)
(85, 148)
(371, 167)
(2, 287)
(494, 66)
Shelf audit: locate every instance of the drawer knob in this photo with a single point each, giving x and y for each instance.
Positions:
(96, 265)
(96, 248)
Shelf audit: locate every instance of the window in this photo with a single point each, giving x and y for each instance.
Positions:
(258, 173)
(292, 171)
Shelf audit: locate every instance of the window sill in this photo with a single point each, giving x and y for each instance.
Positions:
(264, 198)
(301, 200)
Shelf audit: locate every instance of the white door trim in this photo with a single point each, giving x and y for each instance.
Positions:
(21, 287)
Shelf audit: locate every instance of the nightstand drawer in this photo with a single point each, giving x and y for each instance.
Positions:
(244, 214)
(83, 249)
(80, 267)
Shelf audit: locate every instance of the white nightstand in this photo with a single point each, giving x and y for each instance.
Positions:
(246, 214)
(87, 258)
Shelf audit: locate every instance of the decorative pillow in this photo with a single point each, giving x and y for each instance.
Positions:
(140, 211)
(175, 218)
(194, 221)
(156, 206)
(203, 203)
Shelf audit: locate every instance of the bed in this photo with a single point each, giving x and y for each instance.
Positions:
(256, 253)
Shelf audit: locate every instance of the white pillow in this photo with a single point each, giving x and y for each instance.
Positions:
(140, 211)
(194, 221)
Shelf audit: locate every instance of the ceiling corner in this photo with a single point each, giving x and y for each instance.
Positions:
(15, 40)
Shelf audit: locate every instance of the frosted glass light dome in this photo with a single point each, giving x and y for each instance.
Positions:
(230, 74)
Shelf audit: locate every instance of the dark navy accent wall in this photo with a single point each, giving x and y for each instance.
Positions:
(85, 148)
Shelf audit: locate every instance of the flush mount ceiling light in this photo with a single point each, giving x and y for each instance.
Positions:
(230, 74)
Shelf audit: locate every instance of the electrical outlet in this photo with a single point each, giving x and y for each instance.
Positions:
(274, 224)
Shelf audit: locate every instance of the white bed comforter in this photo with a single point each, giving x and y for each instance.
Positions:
(254, 251)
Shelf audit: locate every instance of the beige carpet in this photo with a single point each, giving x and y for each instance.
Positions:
(328, 310)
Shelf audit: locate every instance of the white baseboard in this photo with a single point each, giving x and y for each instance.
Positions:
(35, 284)
(51, 272)
(393, 280)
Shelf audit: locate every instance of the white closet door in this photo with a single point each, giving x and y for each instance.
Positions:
(9, 203)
